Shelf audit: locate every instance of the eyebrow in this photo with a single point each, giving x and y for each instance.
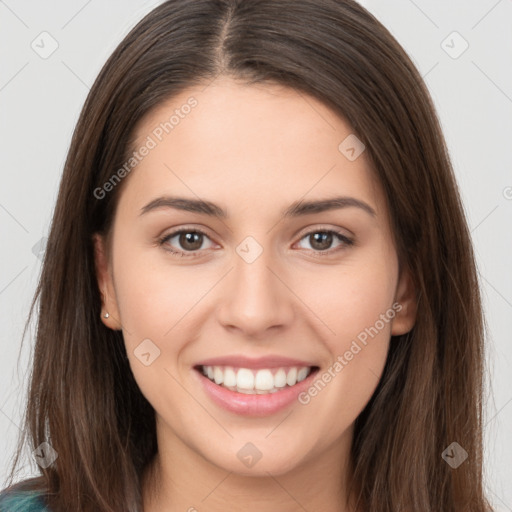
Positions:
(296, 209)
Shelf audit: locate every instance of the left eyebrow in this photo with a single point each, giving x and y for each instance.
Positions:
(296, 209)
(310, 207)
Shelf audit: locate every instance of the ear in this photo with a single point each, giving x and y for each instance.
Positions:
(105, 284)
(405, 296)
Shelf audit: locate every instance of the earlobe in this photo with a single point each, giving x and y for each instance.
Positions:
(405, 297)
(109, 310)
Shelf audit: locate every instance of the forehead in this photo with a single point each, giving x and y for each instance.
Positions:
(248, 146)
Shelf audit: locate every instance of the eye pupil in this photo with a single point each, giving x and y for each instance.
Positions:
(191, 241)
(324, 239)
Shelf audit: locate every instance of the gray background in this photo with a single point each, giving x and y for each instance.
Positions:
(40, 99)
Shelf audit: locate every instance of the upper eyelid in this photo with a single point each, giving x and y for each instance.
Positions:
(318, 228)
(302, 233)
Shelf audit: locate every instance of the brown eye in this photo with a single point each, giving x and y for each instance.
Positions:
(322, 240)
(185, 242)
(190, 241)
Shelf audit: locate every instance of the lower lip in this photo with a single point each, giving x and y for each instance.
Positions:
(254, 405)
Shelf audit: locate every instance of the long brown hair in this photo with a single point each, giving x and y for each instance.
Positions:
(83, 398)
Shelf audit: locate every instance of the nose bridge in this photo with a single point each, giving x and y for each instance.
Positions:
(254, 299)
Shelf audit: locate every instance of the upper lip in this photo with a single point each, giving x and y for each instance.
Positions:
(239, 361)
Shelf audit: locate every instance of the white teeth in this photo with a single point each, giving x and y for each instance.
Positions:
(291, 377)
(218, 375)
(229, 377)
(263, 381)
(302, 374)
(280, 378)
(244, 379)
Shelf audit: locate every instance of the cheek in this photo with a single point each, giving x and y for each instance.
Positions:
(153, 301)
(153, 294)
(350, 297)
(358, 354)
(356, 303)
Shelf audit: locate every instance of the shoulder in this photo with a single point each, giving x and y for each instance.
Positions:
(19, 499)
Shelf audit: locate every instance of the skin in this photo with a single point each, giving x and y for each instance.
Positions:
(253, 150)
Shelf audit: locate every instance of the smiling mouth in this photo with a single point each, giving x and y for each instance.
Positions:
(256, 381)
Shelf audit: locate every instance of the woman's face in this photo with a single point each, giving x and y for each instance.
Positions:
(289, 299)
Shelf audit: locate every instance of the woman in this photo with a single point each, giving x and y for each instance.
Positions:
(259, 291)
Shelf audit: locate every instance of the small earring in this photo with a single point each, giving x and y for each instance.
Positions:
(106, 315)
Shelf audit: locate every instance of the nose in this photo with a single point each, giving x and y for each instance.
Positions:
(255, 297)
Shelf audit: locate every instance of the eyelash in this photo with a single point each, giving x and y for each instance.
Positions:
(192, 254)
